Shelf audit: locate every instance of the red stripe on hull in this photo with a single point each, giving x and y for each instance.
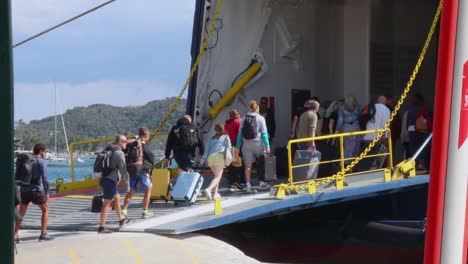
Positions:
(440, 141)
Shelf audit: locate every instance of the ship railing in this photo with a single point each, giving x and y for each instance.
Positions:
(379, 160)
(89, 181)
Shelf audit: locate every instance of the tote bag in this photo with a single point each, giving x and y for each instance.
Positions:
(228, 156)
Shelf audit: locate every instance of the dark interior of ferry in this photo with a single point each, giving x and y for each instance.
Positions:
(392, 44)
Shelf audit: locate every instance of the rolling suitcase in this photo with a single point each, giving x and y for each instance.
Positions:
(266, 168)
(281, 154)
(329, 151)
(310, 159)
(187, 188)
(161, 189)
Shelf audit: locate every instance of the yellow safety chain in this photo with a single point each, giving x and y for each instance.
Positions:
(339, 177)
(194, 68)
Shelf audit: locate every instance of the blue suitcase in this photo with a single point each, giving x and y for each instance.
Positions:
(187, 188)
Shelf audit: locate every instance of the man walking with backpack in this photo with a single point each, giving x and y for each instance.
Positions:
(140, 161)
(183, 140)
(31, 175)
(109, 182)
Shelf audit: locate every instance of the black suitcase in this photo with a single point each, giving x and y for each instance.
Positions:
(281, 154)
(329, 152)
(266, 168)
(96, 205)
(309, 171)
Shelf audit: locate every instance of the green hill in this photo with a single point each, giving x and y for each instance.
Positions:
(98, 121)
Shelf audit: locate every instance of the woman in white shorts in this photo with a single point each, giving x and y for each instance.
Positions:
(253, 137)
(214, 154)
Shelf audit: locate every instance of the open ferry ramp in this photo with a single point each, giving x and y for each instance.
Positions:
(73, 213)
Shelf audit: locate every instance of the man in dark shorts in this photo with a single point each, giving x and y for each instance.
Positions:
(139, 173)
(110, 181)
(36, 192)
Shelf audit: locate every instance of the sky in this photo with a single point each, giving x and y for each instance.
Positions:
(126, 53)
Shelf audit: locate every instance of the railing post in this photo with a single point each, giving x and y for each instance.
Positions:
(6, 155)
(342, 151)
(290, 164)
(72, 163)
(390, 149)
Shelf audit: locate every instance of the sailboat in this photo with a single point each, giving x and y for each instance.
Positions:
(55, 159)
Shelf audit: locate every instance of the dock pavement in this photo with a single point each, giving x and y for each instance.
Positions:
(125, 247)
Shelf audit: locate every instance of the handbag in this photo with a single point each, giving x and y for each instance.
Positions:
(98, 201)
(228, 156)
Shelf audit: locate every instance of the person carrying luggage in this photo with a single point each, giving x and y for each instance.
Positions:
(253, 137)
(307, 125)
(109, 182)
(139, 161)
(183, 140)
(31, 175)
(215, 154)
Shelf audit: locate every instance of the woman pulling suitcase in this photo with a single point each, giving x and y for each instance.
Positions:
(216, 151)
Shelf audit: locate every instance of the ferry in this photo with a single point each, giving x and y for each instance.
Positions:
(289, 50)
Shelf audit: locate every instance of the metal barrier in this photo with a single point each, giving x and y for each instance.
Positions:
(311, 184)
(60, 185)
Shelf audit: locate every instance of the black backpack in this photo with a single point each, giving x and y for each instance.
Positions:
(187, 136)
(132, 152)
(102, 162)
(24, 165)
(249, 128)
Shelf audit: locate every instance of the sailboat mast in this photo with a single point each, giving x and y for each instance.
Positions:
(65, 134)
(55, 117)
(64, 130)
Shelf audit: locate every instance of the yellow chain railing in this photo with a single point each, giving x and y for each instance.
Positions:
(194, 67)
(339, 177)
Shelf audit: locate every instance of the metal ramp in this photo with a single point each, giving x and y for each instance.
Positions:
(73, 213)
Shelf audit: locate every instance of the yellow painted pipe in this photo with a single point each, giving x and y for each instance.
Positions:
(235, 89)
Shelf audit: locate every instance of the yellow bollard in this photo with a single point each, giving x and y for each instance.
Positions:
(218, 209)
(311, 187)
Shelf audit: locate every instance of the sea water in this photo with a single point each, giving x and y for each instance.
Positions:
(82, 170)
(64, 172)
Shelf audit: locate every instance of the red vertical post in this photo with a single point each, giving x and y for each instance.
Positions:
(440, 141)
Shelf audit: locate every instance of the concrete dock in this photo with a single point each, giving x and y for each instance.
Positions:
(119, 247)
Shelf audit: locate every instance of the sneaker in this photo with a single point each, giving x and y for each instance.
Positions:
(124, 212)
(217, 196)
(103, 230)
(233, 188)
(264, 185)
(207, 193)
(250, 190)
(145, 215)
(45, 237)
(124, 221)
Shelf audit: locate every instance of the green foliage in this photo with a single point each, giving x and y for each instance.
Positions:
(98, 121)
